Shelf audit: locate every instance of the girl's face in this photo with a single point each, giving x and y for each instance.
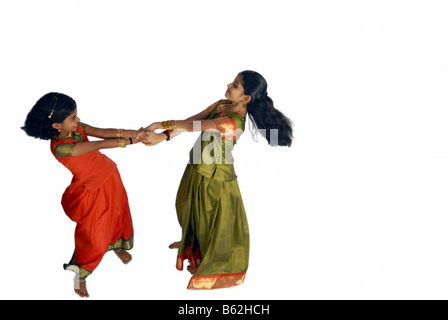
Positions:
(69, 124)
(235, 91)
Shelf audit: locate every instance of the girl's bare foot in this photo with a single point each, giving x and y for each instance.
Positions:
(191, 269)
(124, 256)
(81, 287)
(175, 245)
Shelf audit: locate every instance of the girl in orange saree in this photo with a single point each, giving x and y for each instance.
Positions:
(96, 198)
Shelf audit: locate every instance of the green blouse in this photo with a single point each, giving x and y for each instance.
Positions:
(66, 149)
(211, 155)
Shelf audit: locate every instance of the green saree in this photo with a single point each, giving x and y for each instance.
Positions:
(210, 210)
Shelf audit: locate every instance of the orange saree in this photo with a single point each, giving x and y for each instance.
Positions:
(97, 201)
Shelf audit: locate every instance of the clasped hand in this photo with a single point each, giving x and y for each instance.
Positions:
(148, 137)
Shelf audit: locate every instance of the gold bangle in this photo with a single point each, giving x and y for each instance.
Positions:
(165, 125)
(168, 125)
(121, 142)
(120, 133)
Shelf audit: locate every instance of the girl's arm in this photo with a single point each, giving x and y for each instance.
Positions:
(196, 122)
(191, 125)
(153, 138)
(110, 137)
(91, 146)
(108, 133)
(201, 116)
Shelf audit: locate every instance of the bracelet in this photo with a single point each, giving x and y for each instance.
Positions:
(169, 125)
(168, 135)
(130, 139)
(120, 133)
(121, 142)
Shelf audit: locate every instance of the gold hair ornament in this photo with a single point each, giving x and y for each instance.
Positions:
(54, 106)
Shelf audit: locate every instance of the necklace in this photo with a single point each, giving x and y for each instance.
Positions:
(68, 136)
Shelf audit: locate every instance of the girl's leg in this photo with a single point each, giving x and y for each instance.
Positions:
(174, 245)
(81, 287)
(191, 269)
(124, 256)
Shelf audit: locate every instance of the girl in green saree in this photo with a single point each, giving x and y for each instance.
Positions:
(210, 210)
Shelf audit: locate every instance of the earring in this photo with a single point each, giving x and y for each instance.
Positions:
(59, 130)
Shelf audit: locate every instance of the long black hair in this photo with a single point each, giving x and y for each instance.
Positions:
(267, 120)
(51, 108)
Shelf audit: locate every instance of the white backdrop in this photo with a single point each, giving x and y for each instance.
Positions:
(355, 209)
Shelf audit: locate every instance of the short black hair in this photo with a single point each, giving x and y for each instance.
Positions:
(38, 123)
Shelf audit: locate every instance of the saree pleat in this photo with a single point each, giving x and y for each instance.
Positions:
(103, 222)
(215, 236)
